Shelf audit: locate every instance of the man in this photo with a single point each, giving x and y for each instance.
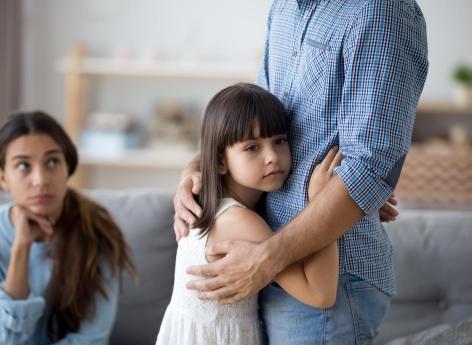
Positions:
(350, 73)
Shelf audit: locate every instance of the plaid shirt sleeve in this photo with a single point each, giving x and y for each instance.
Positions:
(385, 67)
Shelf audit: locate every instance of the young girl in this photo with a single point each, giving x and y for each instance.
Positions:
(61, 254)
(244, 153)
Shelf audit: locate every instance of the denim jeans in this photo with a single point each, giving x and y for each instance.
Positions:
(353, 320)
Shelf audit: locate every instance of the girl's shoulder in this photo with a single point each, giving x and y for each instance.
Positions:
(237, 222)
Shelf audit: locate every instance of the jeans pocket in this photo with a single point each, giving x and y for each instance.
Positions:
(368, 306)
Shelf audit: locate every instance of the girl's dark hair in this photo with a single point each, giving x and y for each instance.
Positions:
(230, 117)
(86, 237)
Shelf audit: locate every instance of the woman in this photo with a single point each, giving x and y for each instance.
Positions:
(61, 254)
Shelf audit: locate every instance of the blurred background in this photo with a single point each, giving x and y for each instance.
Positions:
(129, 80)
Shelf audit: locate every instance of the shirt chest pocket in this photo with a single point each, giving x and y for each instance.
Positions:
(313, 70)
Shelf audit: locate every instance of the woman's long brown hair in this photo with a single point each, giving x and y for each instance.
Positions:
(230, 117)
(88, 248)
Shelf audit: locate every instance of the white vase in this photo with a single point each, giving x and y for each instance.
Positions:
(463, 95)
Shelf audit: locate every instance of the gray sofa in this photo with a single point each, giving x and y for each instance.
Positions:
(433, 263)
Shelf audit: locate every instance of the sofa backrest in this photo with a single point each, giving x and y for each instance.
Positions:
(433, 259)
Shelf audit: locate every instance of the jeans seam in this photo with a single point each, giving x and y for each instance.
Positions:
(351, 302)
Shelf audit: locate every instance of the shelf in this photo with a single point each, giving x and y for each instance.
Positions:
(165, 157)
(160, 69)
(443, 108)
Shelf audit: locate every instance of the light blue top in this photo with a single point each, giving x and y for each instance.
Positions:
(22, 322)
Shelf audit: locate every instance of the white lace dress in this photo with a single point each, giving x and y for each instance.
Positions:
(190, 321)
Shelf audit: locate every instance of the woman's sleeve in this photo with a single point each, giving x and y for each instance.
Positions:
(18, 318)
(97, 329)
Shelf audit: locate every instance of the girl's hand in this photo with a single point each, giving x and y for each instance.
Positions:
(29, 227)
(323, 172)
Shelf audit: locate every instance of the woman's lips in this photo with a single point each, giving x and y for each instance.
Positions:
(42, 198)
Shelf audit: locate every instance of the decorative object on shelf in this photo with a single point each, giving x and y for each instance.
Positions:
(463, 77)
(174, 123)
(109, 133)
(458, 136)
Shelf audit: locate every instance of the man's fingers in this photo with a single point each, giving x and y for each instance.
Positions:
(180, 228)
(197, 183)
(205, 285)
(336, 162)
(185, 215)
(208, 270)
(218, 294)
(190, 204)
(232, 299)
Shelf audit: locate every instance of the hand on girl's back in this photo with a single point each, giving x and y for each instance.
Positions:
(186, 208)
(323, 172)
(29, 227)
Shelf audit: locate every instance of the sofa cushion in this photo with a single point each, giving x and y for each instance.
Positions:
(457, 334)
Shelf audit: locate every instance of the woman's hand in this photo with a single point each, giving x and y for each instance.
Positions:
(29, 227)
(323, 172)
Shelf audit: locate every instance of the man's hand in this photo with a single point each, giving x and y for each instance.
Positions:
(186, 208)
(246, 269)
(388, 212)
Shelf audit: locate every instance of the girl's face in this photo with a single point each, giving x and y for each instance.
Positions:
(36, 174)
(256, 165)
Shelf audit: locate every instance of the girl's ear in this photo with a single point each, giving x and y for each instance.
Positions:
(222, 166)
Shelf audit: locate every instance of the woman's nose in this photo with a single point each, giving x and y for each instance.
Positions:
(40, 177)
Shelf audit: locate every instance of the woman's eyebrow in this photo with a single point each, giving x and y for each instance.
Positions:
(52, 152)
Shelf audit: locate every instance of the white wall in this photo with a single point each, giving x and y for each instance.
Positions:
(449, 28)
(205, 29)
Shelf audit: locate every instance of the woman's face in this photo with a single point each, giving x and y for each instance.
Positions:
(36, 174)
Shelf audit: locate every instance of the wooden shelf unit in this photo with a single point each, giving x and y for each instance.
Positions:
(79, 69)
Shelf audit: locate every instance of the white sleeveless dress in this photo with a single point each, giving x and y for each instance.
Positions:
(190, 321)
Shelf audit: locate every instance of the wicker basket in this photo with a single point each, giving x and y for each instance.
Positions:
(437, 175)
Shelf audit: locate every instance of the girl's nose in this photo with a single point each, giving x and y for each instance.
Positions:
(272, 156)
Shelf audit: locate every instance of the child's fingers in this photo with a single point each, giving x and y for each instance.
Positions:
(336, 162)
(326, 163)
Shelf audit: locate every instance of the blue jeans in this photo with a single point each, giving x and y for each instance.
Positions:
(353, 320)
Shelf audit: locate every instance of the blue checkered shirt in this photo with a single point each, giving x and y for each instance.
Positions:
(350, 73)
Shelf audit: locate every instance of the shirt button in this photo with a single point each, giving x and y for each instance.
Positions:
(285, 94)
(294, 53)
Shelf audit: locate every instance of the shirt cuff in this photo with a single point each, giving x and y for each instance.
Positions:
(368, 191)
(20, 315)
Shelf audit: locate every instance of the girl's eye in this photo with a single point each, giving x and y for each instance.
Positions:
(23, 166)
(252, 148)
(53, 162)
(281, 141)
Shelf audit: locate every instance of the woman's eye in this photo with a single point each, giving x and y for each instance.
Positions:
(53, 162)
(23, 166)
